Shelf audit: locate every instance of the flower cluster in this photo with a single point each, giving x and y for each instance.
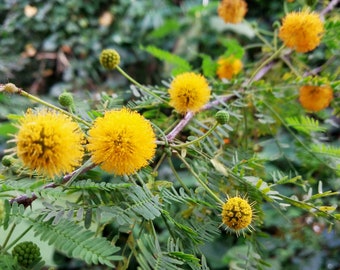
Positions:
(189, 92)
(315, 98)
(228, 67)
(122, 141)
(49, 143)
(301, 31)
(232, 11)
(237, 214)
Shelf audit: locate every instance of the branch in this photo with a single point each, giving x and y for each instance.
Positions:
(27, 200)
(329, 8)
(189, 115)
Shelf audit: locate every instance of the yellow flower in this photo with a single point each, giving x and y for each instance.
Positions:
(122, 141)
(232, 11)
(189, 92)
(49, 143)
(301, 31)
(237, 215)
(315, 98)
(228, 67)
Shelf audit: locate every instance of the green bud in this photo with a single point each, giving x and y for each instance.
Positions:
(222, 117)
(27, 253)
(66, 99)
(109, 59)
(7, 160)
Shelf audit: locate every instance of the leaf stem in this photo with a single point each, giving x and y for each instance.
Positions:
(145, 89)
(197, 139)
(204, 185)
(19, 237)
(8, 237)
(43, 102)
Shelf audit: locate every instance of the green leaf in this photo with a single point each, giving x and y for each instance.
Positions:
(233, 48)
(74, 241)
(304, 124)
(181, 65)
(209, 66)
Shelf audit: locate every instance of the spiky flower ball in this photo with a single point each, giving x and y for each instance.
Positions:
(232, 11)
(27, 253)
(228, 67)
(109, 58)
(301, 31)
(222, 117)
(315, 98)
(122, 141)
(237, 215)
(66, 99)
(49, 143)
(189, 92)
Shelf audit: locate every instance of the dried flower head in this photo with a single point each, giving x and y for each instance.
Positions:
(232, 11)
(122, 141)
(315, 98)
(49, 143)
(237, 215)
(228, 67)
(301, 31)
(189, 92)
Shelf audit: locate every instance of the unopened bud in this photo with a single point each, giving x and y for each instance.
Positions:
(222, 117)
(109, 58)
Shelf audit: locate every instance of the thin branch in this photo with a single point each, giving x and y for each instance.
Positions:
(27, 200)
(332, 4)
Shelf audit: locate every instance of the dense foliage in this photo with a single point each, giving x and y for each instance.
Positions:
(223, 120)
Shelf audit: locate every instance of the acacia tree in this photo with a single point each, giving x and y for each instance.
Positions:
(182, 166)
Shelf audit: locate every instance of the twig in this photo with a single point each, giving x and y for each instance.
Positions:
(329, 8)
(27, 200)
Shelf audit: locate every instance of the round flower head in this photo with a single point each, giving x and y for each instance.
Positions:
(315, 98)
(301, 31)
(189, 92)
(122, 141)
(237, 215)
(232, 11)
(228, 67)
(109, 58)
(49, 143)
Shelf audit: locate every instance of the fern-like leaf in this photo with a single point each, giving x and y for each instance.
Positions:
(74, 241)
(181, 65)
(304, 124)
(151, 256)
(327, 150)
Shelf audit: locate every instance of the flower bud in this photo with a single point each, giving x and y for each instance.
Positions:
(109, 58)
(7, 160)
(222, 117)
(10, 88)
(66, 99)
(27, 254)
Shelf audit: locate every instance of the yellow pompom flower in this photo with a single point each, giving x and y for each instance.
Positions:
(237, 215)
(189, 92)
(49, 143)
(122, 141)
(228, 67)
(232, 11)
(301, 31)
(315, 98)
